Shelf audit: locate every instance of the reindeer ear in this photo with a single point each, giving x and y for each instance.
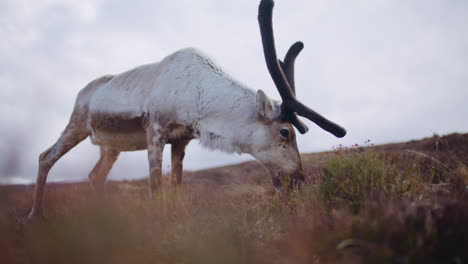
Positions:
(265, 107)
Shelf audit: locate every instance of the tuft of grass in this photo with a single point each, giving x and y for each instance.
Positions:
(458, 181)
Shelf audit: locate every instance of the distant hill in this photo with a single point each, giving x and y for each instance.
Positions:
(446, 149)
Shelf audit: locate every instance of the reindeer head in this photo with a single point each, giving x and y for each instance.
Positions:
(278, 151)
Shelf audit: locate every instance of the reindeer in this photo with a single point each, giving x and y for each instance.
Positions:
(183, 97)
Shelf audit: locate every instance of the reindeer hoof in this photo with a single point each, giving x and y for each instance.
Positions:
(35, 215)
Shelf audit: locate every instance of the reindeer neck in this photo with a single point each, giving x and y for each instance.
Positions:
(227, 125)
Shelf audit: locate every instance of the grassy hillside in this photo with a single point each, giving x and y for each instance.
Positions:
(396, 203)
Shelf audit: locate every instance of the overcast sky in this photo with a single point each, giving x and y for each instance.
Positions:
(387, 71)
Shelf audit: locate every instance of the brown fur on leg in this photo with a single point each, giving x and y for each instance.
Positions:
(98, 175)
(177, 158)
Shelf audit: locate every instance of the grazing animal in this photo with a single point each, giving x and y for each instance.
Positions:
(183, 97)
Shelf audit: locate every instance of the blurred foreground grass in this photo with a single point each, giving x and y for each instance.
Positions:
(361, 206)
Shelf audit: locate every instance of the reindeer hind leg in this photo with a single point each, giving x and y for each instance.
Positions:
(98, 175)
(74, 133)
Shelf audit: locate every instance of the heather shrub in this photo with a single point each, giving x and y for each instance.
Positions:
(386, 230)
(352, 176)
(413, 231)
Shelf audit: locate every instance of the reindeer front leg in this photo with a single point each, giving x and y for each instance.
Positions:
(155, 141)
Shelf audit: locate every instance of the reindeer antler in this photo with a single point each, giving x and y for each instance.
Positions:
(288, 64)
(290, 104)
(288, 69)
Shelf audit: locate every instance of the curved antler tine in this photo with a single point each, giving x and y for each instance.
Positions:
(318, 119)
(297, 123)
(265, 13)
(288, 69)
(288, 64)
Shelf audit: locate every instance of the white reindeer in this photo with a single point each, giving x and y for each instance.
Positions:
(183, 97)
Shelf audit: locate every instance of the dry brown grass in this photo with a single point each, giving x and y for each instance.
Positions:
(390, 210)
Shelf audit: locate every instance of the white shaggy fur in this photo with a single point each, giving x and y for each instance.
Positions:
(189, 88)
(185, 96)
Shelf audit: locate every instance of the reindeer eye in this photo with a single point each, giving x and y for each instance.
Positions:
(284, 133)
